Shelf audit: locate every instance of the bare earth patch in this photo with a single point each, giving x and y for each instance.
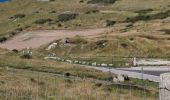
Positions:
(35, 39)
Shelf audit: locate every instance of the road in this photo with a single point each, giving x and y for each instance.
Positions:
(149, 73)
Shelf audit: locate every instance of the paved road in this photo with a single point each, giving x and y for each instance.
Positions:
(149, 70)
(150, 73)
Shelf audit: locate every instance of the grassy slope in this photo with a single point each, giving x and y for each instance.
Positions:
(18, 83)
(147, 40)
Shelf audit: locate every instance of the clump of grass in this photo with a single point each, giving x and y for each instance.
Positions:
(110, 22)
(77, 40)
(67, 16)
(144, 11)
(102, 1)
(3, 39)
(166, 31)
(144, 17)
(43, 21)
(91, 11)
(18, 16)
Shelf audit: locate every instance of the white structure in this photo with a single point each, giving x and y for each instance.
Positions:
(110, 65)
(94, 64)
(52, 46)
(119, 78)
(76, 61)
(104, 65)
(69, 61)
(134, 62)
(164, 92)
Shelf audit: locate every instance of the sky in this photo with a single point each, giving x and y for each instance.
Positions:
(3, 0)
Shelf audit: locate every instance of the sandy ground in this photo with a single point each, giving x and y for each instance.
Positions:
(35, 39)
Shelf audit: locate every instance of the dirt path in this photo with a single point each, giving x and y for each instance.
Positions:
(35, 39)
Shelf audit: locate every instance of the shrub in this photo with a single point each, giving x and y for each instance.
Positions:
(144, 17)
(92, 11)
(67, 16)
(98, 84)
(19, 29)
(3, 39)
(76, 40)
(102, 1)
(124, 45)
(43, 21)
(19, 16)
(52, 11)
(12, 33)
(144, 11)
(166, 31)
(15, 50)
(67, 74)
(110, 23)
(26, 56)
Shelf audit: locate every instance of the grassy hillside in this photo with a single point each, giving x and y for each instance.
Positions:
(20, 84)
(135, 24)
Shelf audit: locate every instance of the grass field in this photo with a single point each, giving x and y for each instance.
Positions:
(135, 24)
(19, 84)
(136, 28)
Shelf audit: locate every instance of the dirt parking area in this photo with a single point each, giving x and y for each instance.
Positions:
(35, 39)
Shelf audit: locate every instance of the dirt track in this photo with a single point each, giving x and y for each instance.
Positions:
(35, 39)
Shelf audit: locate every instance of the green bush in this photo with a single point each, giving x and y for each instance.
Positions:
(43, 21)
(102, 1)
(66, 17)
(26, 56)
(110, 22)
(3, 39)
(144, 17)
(19, 16)
(144, 11)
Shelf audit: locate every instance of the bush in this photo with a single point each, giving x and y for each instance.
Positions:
(3, 39)
(12, 33)
(26, 56)
(76, 40)
(19, 16)
(144, 17)
(144, 11)
(19, 29)
(92, 11)
(43, 21)
(110, 23)
(102, 1)
(166, 31)
(15, 50)
(66, 17)
(124, 45)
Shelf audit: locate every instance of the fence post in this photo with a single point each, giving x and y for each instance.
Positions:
(38, 87)
(64, 87)
(131, 92)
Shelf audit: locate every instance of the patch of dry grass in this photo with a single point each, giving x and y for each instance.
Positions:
(16, 84)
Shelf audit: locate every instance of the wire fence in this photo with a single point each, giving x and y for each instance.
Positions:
(47, 86)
